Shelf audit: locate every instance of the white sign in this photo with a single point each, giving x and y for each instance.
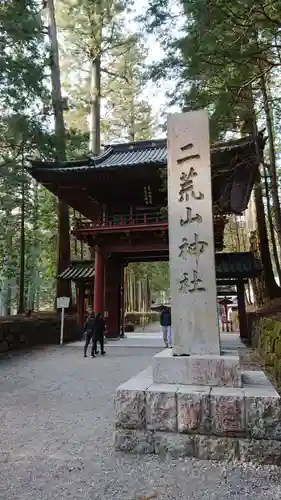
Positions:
(62, 303)
(191, 236)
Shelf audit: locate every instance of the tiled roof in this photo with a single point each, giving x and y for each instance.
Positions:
(132, 155)
(79, 270)
(237, 265)
(228, 265)
(223, 291)
(119, 155)
(137, 153)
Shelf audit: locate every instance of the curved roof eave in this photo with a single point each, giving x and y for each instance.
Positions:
(142, 153)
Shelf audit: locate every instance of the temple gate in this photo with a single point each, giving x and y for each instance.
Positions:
(122, 198)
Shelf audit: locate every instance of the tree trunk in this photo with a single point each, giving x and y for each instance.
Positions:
(148, 294)
(21, 306)
(34, 289)
(37, 299)
(139, 296)
(131, 291)
(63, 286)
(272, 289)
(95, 145)
(271, 227)
(272, 156)
(75, 239)
(7, 271)
(132, 120)
(238, 248)
(135, 292)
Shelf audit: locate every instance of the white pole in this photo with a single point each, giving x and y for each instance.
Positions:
(61, 326)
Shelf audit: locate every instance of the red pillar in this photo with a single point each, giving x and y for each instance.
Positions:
(112, 296)
(80, 303)
(99, 281)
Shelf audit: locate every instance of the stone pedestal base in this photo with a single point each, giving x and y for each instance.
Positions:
(264, 452)
(212, 370)
(200, 421)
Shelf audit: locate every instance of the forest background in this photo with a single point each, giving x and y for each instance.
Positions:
(215, 55)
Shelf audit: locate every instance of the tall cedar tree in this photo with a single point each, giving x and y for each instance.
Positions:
(63, 286)
(21, 130)
(91, 32)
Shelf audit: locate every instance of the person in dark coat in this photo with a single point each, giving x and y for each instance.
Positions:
(99, 329)
(165, 322)
(89, 333)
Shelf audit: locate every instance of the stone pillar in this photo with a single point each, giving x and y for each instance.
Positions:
(243, 326)
(195, 326)
(99, 281)
(112, 296)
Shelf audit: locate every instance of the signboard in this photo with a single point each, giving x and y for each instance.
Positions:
(62, 303)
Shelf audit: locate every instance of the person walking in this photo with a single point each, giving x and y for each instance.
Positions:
(165, 322)
(98, 336)
(89, 332)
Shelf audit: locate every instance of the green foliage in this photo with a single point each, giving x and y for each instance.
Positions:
(86, 30)
(89, 30)
(219, 56)
(23, 133)
(158, 274)
(130, 115)
(22, 54)
(146, 282)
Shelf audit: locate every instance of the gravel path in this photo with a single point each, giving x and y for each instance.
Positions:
(56, 428)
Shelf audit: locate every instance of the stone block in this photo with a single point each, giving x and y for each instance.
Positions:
(263, 413)
(255, 379)
(130, 401)
(173, 444)
(209, 370)
(3, 346)
(193, 409)
(228, 412)
(134, 441)
(168, 369)
(216, 448)
(216, 370)
(265, 452)
(161, 408)
(10, 338)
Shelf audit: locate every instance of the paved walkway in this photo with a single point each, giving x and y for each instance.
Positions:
(56, 425)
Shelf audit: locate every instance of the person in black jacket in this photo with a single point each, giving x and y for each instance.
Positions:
(99, 329)
(89, 328)
(165, 322)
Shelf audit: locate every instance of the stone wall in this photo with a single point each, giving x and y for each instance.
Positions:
(19, 332)
(265, 335)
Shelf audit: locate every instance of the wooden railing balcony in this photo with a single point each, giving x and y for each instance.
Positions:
(123, 222)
